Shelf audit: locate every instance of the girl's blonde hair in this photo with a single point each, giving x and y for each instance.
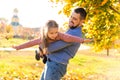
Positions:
(49, 24)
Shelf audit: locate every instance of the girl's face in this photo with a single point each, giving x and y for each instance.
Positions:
(52, 33)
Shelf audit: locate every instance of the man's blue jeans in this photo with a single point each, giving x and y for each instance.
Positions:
(53, 71)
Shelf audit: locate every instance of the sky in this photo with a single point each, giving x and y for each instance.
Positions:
(32, 13)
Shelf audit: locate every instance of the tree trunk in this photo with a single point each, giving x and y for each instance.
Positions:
(107, 51)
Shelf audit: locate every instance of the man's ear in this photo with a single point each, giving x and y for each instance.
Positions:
(83, 21)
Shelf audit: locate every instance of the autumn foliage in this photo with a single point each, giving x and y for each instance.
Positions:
(102, 22)
(6, 31)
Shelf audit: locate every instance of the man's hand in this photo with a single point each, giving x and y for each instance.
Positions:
(88, 40)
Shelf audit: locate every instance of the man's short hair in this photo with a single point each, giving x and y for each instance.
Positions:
(81, 11)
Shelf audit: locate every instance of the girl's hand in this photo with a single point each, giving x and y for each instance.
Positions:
(15, 47)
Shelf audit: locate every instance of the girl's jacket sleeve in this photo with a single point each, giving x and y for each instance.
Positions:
(29, 44)
(69, 38)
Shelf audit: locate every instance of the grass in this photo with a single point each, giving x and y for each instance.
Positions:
(21, 65)
(93, 66)
(10, 42)
(13, 41)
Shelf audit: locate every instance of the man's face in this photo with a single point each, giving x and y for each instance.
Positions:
(74, 20)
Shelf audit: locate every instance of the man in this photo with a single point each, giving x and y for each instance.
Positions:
(61, 52)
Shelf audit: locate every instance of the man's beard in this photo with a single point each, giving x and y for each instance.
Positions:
(73, 27)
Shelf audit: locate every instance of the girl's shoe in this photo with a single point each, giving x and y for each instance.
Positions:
(37, 55)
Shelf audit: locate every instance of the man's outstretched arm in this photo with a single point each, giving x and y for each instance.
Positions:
(58, 45)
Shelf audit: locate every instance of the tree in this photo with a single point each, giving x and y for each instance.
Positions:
(102, 23)
(8, 32)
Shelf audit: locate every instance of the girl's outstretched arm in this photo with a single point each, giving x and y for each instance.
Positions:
(28, 44)
(71, 38)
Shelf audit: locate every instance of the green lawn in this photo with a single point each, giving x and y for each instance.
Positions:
(21, 65)
(86, 65)
(14, 41)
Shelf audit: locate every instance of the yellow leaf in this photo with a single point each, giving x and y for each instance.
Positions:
(104, 2)
(60, 12)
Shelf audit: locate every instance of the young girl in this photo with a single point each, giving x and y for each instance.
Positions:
(50, 34)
